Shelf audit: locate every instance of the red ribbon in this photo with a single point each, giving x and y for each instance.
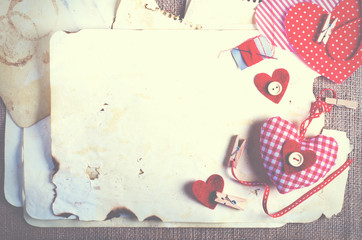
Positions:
(318, 107)
(301, 199)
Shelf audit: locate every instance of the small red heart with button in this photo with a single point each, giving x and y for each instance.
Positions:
(273, 87)
(204, 191)
(295, 160)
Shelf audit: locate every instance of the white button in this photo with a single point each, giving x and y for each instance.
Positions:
(295, 159)
(274, 88)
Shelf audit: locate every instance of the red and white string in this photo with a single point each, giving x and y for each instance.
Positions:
(317, 109)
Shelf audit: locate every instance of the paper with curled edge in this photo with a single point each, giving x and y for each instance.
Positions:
(173, 127)
(43, 206)
(38, 165)
(13, 174)
(226, 14)
(25, 30)
(122, 222)
(146, 14)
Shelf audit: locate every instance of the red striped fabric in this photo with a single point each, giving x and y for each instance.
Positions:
(270, 16)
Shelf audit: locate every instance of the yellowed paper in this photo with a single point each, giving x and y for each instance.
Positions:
(226, 14)
(134, 129)
(25, 30)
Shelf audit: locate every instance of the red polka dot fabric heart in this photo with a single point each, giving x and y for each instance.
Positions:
(274, 133)
(341, 56)
(270, 16)
(204, 191)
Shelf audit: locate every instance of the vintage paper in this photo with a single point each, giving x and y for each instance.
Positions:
(129, 223)
(41, 135)
(133, 129)
(226, 14)
(25, 30)
(13, 174)
(39, 197)
(146, 14)
(39, 191)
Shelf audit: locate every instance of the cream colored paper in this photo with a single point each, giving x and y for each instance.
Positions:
(107, 223)
(175, 126)
(122, 222)
(39, 197)
(39, 136)
(39, 192)
(25, 30)
(13, 174)
(146, 14)
(226, 14)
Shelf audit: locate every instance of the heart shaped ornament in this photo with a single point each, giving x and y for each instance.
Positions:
(341, 56)
(273, 87)
(275, 132)
(204, 192)
(270, 16)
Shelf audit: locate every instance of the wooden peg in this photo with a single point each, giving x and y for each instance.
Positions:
(230, 201)
(342, 102)
(237, 151)
(327, 29)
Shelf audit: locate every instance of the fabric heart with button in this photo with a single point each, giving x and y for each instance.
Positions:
(341, 55)
(292, 163)
(272, 87)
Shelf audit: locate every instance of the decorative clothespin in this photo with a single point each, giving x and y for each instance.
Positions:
(230, 201)
(327, 29)
(210, 193)
(237, 151)
(342, 102)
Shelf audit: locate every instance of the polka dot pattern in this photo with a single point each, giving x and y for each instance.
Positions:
(343, 43)
(342, 55)
(270, 16)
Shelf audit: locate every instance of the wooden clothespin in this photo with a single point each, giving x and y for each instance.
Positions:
(327, 29)
(210, 193)
(342, 102)
(230, 201)
(237, 151)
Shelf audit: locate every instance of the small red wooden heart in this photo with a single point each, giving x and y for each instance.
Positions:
(309, 157)
(262, 81)
(204, 191)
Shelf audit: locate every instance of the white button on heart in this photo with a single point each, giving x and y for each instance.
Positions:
(274, 88)
(295, 159)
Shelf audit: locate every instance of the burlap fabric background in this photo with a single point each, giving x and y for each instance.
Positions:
(345, 225)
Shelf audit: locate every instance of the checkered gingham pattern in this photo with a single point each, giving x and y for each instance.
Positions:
(274, 133)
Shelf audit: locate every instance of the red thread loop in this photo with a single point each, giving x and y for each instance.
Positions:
(256, 52)
(318, 107)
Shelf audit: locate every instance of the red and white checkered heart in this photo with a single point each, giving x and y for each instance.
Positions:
(274, 134)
